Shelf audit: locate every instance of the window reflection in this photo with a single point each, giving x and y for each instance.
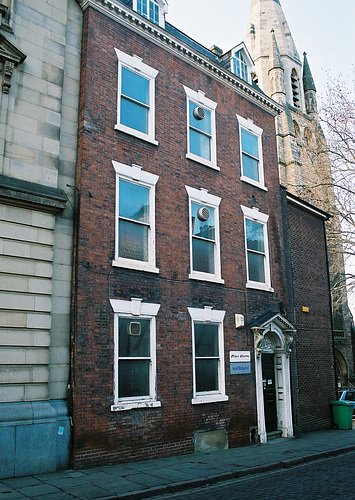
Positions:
(203, 239)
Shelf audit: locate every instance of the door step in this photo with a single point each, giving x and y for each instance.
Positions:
(273, 435)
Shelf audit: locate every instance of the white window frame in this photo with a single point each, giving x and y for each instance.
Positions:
(254, 215)
(135, 174)
(250, 127)
(163, 9)
(204, 197)
(202, 101)
(209, 316)
(135, 309)
(136, 65)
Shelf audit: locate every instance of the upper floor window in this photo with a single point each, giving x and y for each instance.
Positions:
(251, 152)
(135, 354)
(257, 249)
(154, 10)
(136, 97)
(201, 128)
(295, 89)
(208, 355)
(239, 66)
(135, 218)
(205, 263)
(241, 63)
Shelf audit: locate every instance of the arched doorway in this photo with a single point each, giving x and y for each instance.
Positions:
(272, 340)
(341, 369)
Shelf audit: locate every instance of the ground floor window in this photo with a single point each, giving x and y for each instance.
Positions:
(135, 354)
(208, 355)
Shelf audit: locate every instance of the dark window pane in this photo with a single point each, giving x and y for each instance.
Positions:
(251, 168)
(135, 86)
(134, 115)
(133, 241)
(133, 378)
(206, 375)
(206, 340)
(134, 345)
(203, 256)
(256, 267)
(255, 236)
(250, 144)
(133, 201)
(200, 145)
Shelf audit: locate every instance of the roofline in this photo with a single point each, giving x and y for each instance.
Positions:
(159, 36)
(295, 200)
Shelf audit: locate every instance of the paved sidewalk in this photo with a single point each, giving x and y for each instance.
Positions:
(146, 479)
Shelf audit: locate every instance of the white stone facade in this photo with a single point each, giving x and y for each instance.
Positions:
(38, 143)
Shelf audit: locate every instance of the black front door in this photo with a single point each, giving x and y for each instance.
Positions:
(268, 368)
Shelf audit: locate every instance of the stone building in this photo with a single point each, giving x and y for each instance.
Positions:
(189, 305)
(40, 70)
(304, 167)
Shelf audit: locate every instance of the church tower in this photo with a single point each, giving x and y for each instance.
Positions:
(280, 73)
(303, 164)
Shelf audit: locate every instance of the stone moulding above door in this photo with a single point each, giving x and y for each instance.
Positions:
(261, 326)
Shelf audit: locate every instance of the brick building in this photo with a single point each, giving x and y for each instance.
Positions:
(196, 323)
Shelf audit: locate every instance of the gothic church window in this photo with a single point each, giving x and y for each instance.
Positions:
(307, 136)
(295, 89)
(297, 129)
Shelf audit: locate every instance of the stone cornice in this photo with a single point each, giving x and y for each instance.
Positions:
(159, 36)
(20, 193)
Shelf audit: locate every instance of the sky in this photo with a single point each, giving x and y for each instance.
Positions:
(325, 29)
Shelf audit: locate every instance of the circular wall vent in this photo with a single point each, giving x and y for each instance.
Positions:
(199, 113)
(203, 214)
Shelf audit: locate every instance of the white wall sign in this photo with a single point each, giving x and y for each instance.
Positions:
(239, 356)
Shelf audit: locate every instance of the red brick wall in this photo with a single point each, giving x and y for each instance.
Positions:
(314, 342)
(99, 434)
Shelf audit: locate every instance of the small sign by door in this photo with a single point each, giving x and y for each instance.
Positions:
(239, 368)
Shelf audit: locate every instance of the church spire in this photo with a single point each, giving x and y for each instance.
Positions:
(274, 58)
(309, 88)
(308, 83)
(276, 71)
(264, 16)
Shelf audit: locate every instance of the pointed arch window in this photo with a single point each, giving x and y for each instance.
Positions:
(295, 89)
(154, 10)
(307, 136)
(239, 66)
(297, 129)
